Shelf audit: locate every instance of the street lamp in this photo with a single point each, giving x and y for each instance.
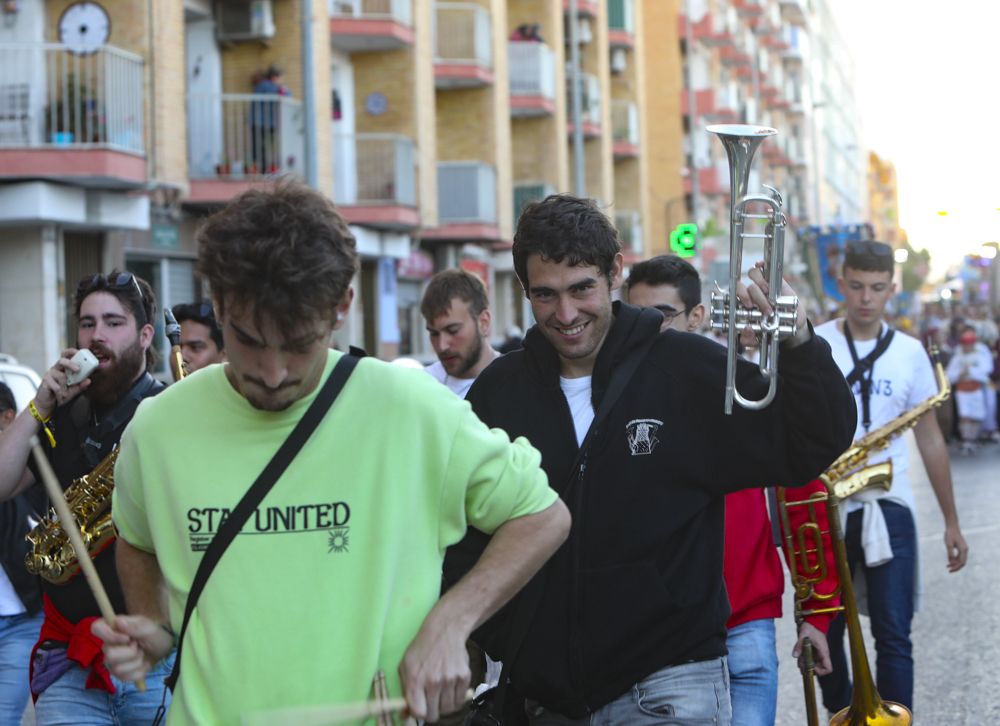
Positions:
(901, 255)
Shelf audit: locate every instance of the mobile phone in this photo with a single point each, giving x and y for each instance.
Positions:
(87, 362)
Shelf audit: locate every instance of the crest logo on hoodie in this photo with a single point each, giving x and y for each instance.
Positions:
(641, 435)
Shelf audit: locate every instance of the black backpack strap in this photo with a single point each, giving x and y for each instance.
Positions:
(256, 493)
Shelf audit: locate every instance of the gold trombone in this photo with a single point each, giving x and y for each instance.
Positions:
(848, 475)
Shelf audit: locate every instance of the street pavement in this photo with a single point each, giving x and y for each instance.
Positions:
(955, 633)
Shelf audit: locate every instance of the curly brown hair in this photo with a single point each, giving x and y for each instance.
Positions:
(564, 227)
(282, 251)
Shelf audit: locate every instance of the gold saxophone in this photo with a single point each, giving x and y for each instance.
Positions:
(89, 499)
(807, 561)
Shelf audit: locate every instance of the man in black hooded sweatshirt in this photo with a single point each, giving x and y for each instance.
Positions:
(628, 621)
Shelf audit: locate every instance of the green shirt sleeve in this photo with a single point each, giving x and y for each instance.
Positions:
(128, 504)
(490, 480)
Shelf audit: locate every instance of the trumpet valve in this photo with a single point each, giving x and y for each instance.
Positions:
(783, 320)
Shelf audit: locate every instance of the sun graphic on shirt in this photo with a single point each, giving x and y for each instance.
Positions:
(338, 539)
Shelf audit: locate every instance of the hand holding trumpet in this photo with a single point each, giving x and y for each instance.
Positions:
(755, 297)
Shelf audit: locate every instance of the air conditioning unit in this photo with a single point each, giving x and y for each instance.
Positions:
(244, 20)
(586, 32)
(619, 60)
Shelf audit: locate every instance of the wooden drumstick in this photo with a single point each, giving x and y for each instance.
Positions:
(329, 715)
(72, 530)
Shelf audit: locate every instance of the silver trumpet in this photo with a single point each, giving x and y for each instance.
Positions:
(741, 142)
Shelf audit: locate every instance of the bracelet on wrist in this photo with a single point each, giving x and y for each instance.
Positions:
(44, 421)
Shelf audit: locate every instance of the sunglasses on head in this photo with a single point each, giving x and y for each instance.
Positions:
(869, 247)
(121, 281)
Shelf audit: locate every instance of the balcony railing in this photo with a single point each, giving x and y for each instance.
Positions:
(590, 98)
(628, 223)
(398, 10)
(625, 122)
(244, 135)
(50, 97)
(462, 35)
(532, 69)
(374, 169)
(467, 192)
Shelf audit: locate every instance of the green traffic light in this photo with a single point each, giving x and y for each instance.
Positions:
(684, 240)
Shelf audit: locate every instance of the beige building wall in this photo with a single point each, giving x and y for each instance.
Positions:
(661, 122)
(540, 152)
(501, 120)
(425, 109)
(167, 106)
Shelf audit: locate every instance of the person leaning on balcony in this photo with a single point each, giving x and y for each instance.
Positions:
(264, 120)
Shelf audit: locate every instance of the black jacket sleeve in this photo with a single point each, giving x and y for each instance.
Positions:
(789, 443)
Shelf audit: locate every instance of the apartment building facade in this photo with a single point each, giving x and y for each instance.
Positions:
(777, 63)
(480, 98)
(434, 121)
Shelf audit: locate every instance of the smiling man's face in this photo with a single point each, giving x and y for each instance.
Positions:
(572, 305)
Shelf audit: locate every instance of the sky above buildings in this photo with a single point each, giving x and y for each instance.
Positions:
(927, 90)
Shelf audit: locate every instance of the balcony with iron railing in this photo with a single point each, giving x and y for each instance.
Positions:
(532, 79)
(625, 129)
(370, 25)
(621, 24)
(467, 202)
(72, 117)
(590, 99)
(236, 140)
(375, 180)
(463, 49)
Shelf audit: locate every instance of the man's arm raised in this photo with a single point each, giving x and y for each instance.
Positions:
(15, 442)
(435, 668)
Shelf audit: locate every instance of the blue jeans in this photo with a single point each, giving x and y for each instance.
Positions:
(753, 673)
(18, 634)
(692, 694)
(68, 702)
(890, 605)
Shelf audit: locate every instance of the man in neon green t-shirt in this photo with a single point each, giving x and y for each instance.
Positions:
(342, 575)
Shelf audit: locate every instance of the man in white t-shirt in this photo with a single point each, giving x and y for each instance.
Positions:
(890, 374)
(456, 310)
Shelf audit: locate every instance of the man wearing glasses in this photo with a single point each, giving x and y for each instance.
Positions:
(890, 374)
(751, 568)
(672, 286)
(201, 336)
(80, 424)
